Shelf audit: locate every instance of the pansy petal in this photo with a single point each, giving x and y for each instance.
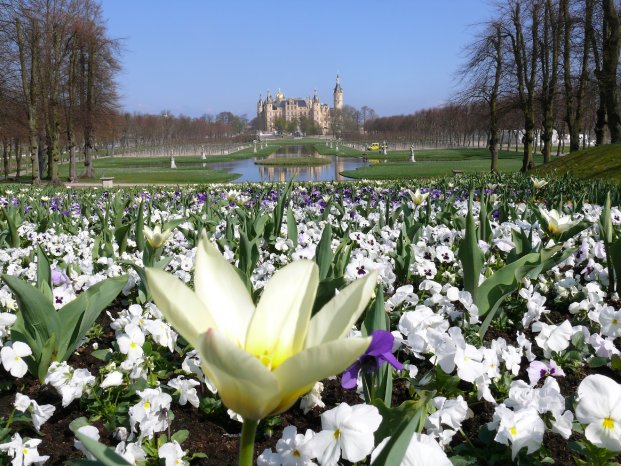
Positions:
(598, 395)
(600, 436)
(338, 315)
(280, 323)
(298, 374)
(179, 305)
(244, 384)
(220, 288)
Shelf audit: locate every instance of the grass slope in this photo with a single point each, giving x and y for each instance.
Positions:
(602, 162)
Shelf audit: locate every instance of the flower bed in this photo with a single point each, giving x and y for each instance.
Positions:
(494, 301)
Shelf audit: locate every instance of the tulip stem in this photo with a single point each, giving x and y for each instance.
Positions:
(246, 444)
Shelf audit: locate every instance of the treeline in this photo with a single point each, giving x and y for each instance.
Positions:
(138, 130)
(538, 67)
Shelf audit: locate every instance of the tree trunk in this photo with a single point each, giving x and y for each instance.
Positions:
(18, 159)
(89, 171)
(611, 46)
(30, 90)
(5, 158)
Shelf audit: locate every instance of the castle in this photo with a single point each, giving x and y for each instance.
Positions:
(272, 109)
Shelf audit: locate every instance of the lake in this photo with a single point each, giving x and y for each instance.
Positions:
(249, 171)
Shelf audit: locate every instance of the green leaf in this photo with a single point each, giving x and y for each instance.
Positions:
(292, 227)
(471, 257)
(140, 240)
(172, 224)
(106, 456)
(77, 423)
(505, 281)
(375, 318)
(44, 274)
(104, 355)
(400, 424)
(323, 253)
(180, 436)
(121, 234)
(85, 310)
(48, 353)
(39, 316)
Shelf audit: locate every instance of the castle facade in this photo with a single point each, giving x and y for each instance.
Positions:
(294, 109)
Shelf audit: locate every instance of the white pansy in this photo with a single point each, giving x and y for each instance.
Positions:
(113, 379)
(130, 342)
(172, 454)
(293, 448)
(186, 389)
(347, 433)
(13, 356)
(520, 429)
(39, 414)
(312, 399)
(23, 452)
(422, 450)
(599, 406)
(151, 413)
(553, 338)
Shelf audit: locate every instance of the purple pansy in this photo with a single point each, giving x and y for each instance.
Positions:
(379, 352)
(539, 369)
(59, 277)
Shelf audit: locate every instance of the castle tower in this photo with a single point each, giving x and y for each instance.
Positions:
(280, 96)
(260, 105)
(338, 95)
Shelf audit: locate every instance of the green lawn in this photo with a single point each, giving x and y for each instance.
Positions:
(189, 169)
(394, 165)
(435, 162)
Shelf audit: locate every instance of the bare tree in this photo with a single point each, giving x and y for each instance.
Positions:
(575, 70)
(549, 52)
(482, 74)
(525, 55)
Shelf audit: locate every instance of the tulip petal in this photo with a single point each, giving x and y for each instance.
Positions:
(279, 325)
(338, 315)
(179, 305)
(219, 287)
(244, 384)
(298, 374)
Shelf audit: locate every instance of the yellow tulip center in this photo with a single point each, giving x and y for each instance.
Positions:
(296, 453)
(337, 434)
(17, 358)
(147, 405)
(513, 431)
(266, 359)
(25, 451)
(133, 345)
(608, 423)
(615, 321)
(553, 229)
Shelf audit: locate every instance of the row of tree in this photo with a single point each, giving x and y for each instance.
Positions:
(538, 67)
(553, 60)
(57, 83)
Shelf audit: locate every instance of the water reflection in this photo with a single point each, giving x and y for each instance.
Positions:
(249, 171)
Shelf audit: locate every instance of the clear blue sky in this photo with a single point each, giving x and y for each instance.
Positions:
(207, 56)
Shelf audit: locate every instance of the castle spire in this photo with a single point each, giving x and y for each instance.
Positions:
(338, 94)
